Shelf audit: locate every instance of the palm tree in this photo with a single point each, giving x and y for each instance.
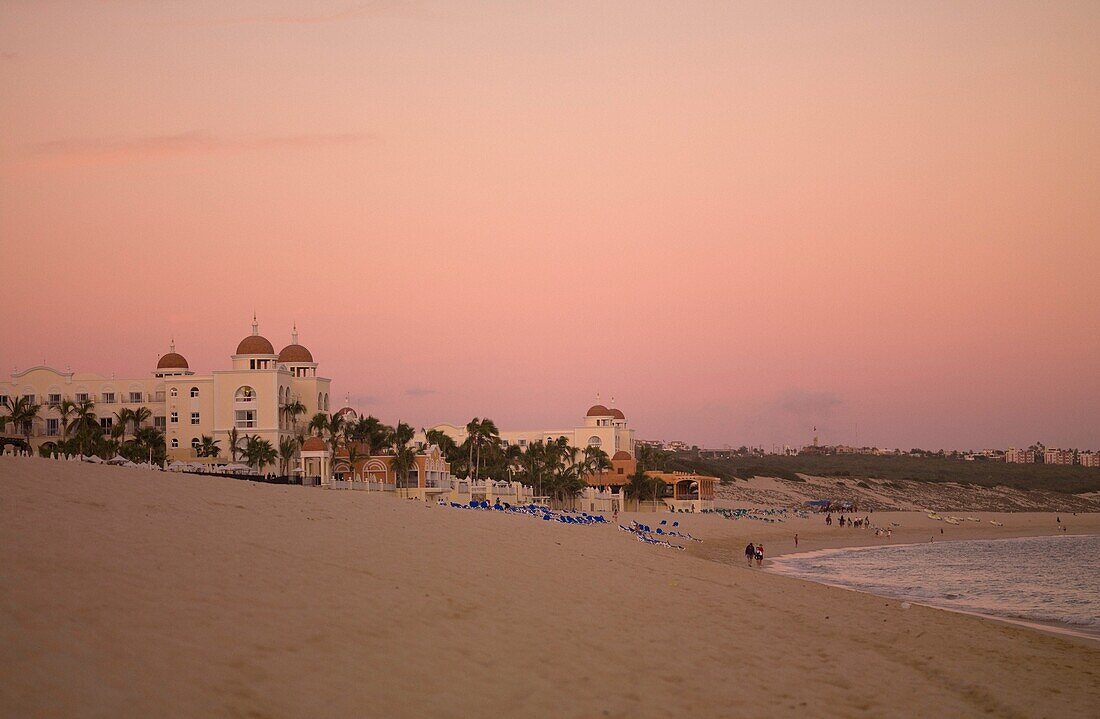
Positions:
(293, 410)
(234, 443)
(66, 409)
(86, 423)
(335, 430)
(318, 424)
(402, 462)
(472, 428)
(208, 447)
(139, 415)
(258, 452)
(637, 486)
(595, 461)
(22, 412)
(122, 418)
(152, 439)
(287, 447)
(354, 455)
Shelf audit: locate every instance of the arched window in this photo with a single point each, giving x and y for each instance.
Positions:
(326, 401)
(194, 443)
(246, 394)
(320, 402)
(175, 443)
(194, 391)
(594, 441)
(174, 393)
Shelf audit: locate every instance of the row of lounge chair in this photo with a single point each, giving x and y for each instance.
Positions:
(537, 511)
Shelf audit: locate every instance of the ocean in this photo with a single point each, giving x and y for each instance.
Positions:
(1046, 580)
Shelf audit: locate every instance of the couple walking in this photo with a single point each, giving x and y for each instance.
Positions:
(754, 551)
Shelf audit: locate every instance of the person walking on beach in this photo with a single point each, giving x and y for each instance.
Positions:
(750, 552)
(796, 539)
(759, 554)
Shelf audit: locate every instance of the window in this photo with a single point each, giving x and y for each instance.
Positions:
(619, 470)
(81, 396)
(3, 400)
(53, 427)
(108, 398)
(158, 422)
(194, 418)
(53, 399)
(174, 393)
(175, 443)
(245, 418)
(246, 394)
(523, 443)
(135, 397)
(29, 398)
(174, 417)
(106, 423)
(594, 441)
(194, 443)
(194, 392)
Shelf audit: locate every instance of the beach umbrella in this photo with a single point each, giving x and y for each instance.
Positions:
(118, 460)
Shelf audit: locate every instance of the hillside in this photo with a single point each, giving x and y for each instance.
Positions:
(1050, 478)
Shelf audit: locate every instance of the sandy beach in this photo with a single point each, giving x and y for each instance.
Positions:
(127, 592)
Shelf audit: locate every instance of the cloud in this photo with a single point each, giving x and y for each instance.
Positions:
(419, 392)
(194, 142)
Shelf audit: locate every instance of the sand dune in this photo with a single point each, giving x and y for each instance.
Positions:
(133, 593)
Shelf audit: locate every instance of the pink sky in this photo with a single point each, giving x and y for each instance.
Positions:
(740, 219)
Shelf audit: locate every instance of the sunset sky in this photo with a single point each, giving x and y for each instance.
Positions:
(741, 220)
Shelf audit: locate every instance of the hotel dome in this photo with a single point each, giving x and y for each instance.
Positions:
(622, 454)
(294, 353)
(255, 345)
(617, 413)
(314, 444)
(598, 410)
(172, 360)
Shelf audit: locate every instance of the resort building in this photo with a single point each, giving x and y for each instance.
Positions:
(1088, 459)
(1058, 456)
(602, 427)
(251, 396)
(1019, 456)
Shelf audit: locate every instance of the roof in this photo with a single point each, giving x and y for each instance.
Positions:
(314, 444)
(255, 345)
(598, 410)
(295, 353)
(617, 413)
(622, 454)
(172, 360)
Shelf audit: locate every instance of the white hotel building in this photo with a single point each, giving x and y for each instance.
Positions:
(249, 396)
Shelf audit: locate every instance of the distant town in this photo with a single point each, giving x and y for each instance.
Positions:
(1034, 454)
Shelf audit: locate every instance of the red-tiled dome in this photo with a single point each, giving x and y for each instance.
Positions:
(598, 410)
(622, 454)
(295, 353)
(172, 360)
(617, 413)
(314, 444)
(255, 345)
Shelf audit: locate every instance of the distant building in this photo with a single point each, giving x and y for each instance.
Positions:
(677, 446)
(1058, 456)
(1020, 456)
(1088, 459)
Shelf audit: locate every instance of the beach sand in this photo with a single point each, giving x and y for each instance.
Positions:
(126, 592)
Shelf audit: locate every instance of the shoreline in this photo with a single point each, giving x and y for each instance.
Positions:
(774, 566)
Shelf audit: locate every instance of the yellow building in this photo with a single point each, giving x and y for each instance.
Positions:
(602, 427)
(251, 396)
